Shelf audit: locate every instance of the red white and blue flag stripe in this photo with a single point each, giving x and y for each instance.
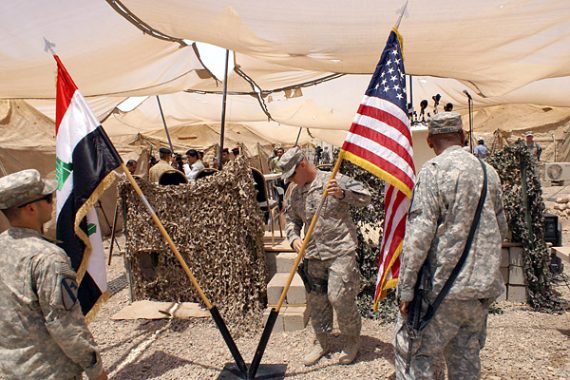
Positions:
(85, 159)
(380, 141)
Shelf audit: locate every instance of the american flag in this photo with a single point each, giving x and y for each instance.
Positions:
(380, 141)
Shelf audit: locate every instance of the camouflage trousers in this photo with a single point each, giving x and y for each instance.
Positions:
(457, 332)
(343, 286)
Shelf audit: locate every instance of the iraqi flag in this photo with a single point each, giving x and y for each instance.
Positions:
(85, 160)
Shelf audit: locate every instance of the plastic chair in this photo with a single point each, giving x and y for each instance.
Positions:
(172, 177)
(206, 172)
(266, 204)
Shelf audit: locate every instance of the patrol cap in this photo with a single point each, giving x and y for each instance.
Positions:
(164, 151)
(289, 161)
(24, 187)
(529, 134)
(445, 122)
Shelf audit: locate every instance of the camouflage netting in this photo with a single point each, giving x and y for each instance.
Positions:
(217, 226)
(522, 197)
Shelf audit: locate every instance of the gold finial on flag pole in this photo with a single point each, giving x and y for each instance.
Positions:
(402, 12)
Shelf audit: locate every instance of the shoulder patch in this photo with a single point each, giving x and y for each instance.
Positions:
(68, 292)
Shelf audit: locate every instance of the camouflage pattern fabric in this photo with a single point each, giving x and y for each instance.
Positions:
(460, 327)
(335, 232)
(343, 286)
(331, 251)
(22, 187)
(217, 226)
(42, 332)
(445, 198)
(446, 195)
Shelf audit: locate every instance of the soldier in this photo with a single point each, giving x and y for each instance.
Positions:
(163, 166)
(42, 332)
(330, 264)
(446, 195)
(534, 147)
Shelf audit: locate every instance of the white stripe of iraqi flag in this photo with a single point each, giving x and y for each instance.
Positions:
(85, 159)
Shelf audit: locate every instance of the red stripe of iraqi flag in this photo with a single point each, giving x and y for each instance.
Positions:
(65, 90)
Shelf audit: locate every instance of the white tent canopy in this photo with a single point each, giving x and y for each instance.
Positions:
(512, 56)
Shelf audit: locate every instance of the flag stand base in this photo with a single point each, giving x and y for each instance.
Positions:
(264, 372)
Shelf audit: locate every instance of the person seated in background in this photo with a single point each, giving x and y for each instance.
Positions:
(535, 148)
(225, 156)
(448, 107)
(235, 153)
(274, 163)
(194, 165)
(481, 150)
(162, 166)
(201, 157)
(132, 166)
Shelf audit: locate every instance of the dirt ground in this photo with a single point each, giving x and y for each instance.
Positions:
(521, 344)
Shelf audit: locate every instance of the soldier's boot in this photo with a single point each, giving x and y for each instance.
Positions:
(320, 349)
(350, 350)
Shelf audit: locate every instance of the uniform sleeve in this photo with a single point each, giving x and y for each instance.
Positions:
(355, 193)
(293, 221)
(57, 294)
(420, 231)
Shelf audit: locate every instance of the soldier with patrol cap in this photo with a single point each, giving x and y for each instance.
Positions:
(43, 334)
(446, 196)
(330, 260)
(162, 166)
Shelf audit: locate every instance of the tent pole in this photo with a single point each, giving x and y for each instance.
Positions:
(223, 124)
(298, 135)
(411, 108)
(164, 124)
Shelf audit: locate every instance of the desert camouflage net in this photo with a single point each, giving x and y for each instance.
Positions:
(217, 226)
(524, 206)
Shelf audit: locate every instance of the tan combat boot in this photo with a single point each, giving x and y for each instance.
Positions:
(350, 350)
(320, 349)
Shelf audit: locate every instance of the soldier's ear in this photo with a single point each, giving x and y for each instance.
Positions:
(429, 142)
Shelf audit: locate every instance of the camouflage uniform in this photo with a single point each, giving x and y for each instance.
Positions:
(331, 251)
(446, 195)
(42, 331)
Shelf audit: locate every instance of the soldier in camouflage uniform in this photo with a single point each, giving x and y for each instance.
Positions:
(42, 332)
(331, 253)
(446, 195)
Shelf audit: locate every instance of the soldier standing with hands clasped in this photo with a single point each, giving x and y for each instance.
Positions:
(330, 265)
(452, 250)
(43, 334)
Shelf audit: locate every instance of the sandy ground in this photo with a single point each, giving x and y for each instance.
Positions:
(521, 344)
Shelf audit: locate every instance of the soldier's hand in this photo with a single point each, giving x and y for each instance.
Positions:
(335, 190)
(297, 243)
(404, 308)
